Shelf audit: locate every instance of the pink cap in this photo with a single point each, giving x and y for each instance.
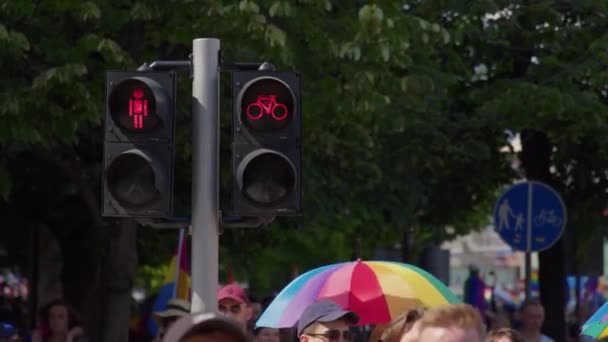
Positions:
(233, 291)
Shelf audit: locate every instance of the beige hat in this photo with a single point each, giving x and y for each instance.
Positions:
(202, 323)
(175, 308)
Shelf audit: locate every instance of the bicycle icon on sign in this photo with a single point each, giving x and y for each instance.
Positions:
(547, 217)
(267, 105)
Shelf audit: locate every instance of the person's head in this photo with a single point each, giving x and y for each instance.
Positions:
(175, 309)
(266, 335)
(205, 327)
(256, 310)
(8, 333)
(234, 303)
(403, 328)
(532, 314)
(473, 270)
(504, 335)
(326, 321)
(451, 323)
(58, 316)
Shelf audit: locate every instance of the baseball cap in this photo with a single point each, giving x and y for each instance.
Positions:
(324, 311)
(233, 291)
(175, 308)
(204, 323)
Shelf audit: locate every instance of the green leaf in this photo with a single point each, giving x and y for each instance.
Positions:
(3, 33)
(111, 49)
(142, 11)
(275, 36)
(280, 9)
(89, 11)
(42, 80)
(356, 53)
(248, 6)
(446, 36)
(425, 38)
(371, 13)
(386, 53)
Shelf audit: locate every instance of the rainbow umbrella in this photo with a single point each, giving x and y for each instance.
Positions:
(601, 315)
(378, 291)
(596, 325)
(596, 330)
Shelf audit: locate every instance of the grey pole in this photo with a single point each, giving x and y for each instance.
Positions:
(528, 260)
(205, 163)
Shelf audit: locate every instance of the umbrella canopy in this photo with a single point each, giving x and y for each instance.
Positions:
(596, 324)
(601, 315)
(378, 291)
(596, 330)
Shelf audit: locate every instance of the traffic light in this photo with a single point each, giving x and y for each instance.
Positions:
(267, 143)
(138, 147)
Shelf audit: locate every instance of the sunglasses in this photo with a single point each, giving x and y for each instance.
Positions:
(235, 308)
(333, 335)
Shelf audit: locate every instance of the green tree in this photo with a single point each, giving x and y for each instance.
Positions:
(541, 72)
(405, 109)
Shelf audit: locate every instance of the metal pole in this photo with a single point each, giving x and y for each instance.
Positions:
(528, 264)
(205, 163)
(528, 270)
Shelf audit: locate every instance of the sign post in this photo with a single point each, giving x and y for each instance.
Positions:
(530, 217)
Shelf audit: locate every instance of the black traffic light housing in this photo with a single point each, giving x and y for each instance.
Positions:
(267, 143)
(139, 144)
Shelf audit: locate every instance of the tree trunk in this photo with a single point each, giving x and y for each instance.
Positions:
(121, 264)
(536, 160)
(99, 268)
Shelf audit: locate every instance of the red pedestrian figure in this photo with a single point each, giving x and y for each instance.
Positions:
(138, 108)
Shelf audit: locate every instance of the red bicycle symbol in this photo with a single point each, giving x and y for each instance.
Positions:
(267, 105)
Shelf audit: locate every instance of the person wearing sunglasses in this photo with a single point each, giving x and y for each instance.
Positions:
(403, 328)
(326, 321)
(234, 303)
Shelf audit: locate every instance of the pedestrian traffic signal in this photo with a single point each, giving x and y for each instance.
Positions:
(266, 143)
(138, 146)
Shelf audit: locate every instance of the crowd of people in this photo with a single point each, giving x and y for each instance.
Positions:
(326, 321)
(57, 322)
(529, 315)
(323, 321)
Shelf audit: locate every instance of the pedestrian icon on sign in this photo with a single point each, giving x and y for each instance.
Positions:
(504, 212)
(138, 108)
(530, 216)
(519, 221)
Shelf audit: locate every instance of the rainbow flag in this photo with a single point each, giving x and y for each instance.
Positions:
(177, 281)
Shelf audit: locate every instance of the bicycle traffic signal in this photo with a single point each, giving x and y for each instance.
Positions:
(266, 143)
(138, 147)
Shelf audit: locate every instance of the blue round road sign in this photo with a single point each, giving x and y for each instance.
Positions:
(530, 216)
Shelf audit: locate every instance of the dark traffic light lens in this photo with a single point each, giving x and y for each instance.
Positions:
(267, 178)
(133, 107)
(267, 105)
(132, 180)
